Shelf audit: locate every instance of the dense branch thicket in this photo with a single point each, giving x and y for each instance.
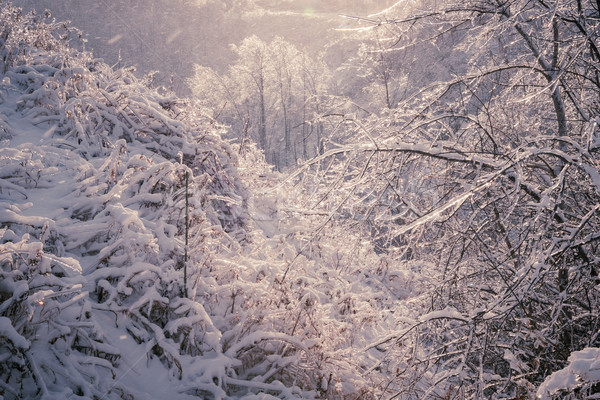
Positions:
(115, 155)
(443, 247)
(490, 175)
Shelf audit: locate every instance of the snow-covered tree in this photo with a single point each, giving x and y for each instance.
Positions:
(488, 181)
(270, 95)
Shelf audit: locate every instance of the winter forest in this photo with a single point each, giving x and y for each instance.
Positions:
(299, 199)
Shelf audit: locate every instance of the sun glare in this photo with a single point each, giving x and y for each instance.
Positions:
(309, 11)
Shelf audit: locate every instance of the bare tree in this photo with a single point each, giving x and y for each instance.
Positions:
(490, 174)
(272, 91)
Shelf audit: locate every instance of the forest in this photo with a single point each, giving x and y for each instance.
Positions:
(277, 199)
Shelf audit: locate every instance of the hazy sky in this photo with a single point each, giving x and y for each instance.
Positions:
(171, 36)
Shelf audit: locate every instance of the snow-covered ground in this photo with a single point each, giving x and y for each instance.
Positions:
(144, 257)
(93, 208)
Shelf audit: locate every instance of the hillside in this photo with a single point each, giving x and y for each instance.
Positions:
(101, 296)
(435, 236)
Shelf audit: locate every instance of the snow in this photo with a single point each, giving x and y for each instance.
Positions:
(138, 373)
(446, 313)
(583, 368)
(284, 295)
(9, 333)
(258, 336)
(92, 248)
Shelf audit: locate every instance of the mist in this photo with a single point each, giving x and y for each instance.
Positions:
(169, 37)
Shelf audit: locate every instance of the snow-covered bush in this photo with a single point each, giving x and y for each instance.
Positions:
(579, 379)
(93, 175)
(126, 236)
(488, 180)
(43, 296)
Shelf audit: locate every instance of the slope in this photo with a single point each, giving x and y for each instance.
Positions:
(103, 181)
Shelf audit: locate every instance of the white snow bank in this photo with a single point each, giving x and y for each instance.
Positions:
(7, 331)
(583, 369)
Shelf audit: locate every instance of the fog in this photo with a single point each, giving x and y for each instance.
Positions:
(172, 36)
